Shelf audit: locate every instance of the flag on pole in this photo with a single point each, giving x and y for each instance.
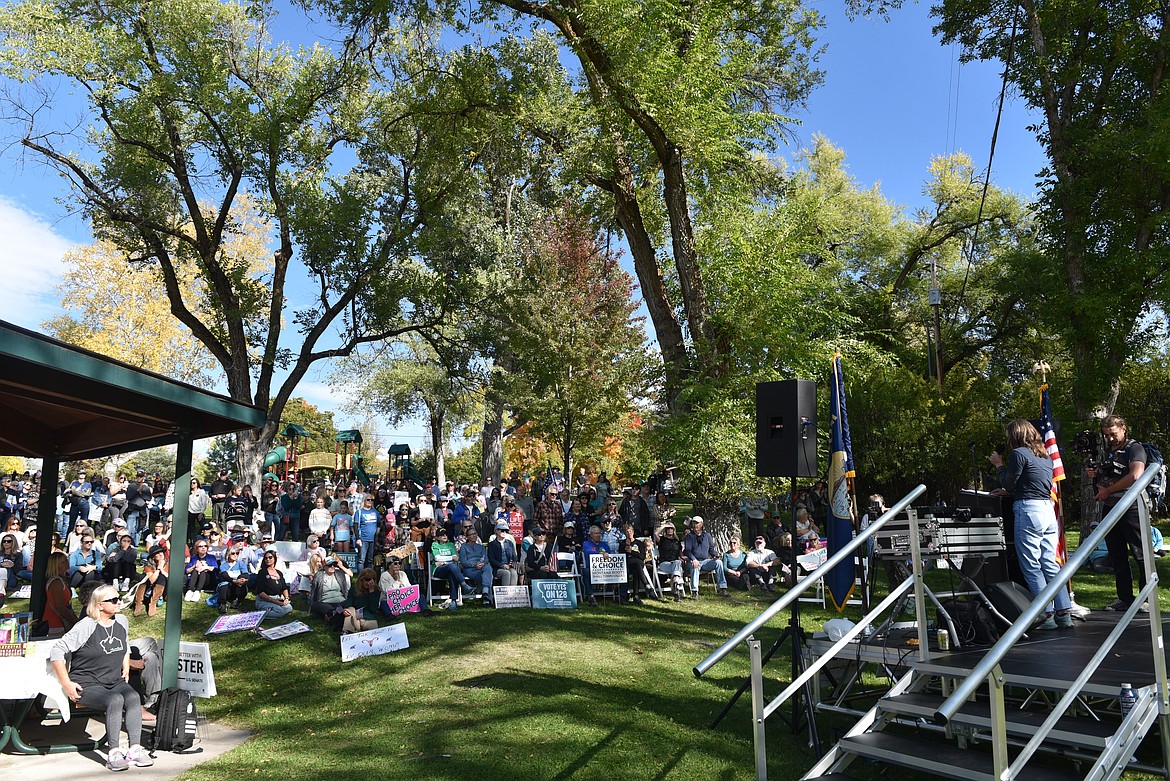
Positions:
(842, 578)
(1048, 434)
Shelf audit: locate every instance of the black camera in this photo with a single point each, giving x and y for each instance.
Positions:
(1085, 443)
(874, 509)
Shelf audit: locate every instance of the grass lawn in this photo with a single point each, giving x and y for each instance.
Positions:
(602, 693)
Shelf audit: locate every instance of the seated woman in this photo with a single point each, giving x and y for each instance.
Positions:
(159, 536)
(202, 572)
(98, 673)
(360, 608)
(152, 590)
(540, 562)
(85, 562)
(446, 559)
(270, 587)
(120, 565)
(329, 590)
(501, 551)
(11, 561)
(670, 559)
(233, 581)
(636, 553)
(30, 544)
(58, 596)
(735, 564)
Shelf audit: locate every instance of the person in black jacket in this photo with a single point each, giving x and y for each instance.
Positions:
(541, 562)
(670, 559)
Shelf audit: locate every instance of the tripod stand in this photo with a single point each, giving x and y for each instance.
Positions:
(794, 634)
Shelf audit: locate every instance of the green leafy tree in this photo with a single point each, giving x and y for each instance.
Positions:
(347, 172)
(579, 352)
(221, 454)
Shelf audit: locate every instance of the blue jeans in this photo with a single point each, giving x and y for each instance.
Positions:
(707, 565)
(481, 576)
(452, 573)
(132, 524)
(1036, 536)
(79, 507)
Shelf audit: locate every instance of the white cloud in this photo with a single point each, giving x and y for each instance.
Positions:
(30, 265)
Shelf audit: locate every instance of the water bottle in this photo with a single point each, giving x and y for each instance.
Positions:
(1127, 698)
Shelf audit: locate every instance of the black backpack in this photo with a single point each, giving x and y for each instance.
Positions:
(174, 728)
(1157, 489)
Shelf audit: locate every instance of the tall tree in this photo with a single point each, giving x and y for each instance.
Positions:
(346, 171)
(579, 348)
(665, 101)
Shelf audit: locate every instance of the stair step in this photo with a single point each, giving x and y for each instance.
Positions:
(832, 777)
(940, 759)
(1070, 730)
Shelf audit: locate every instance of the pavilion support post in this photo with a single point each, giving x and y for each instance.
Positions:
(46, 525)
(176, 569)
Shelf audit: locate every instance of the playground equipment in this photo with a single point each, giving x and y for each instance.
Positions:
(285, 462)
(401, 467)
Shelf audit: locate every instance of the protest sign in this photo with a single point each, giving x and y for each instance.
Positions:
(511, 596)
(348, 558)
(374, 642)
(240, 622)
(195, 673)
(516, 526)
(555, 594)
(287, 630)
(607, 569)
(402, 600)
(400, 498)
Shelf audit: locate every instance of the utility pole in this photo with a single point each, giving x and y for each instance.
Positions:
(935, 303)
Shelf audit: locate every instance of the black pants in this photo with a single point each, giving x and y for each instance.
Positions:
(201, 581)
(120, 569)
(231, 592)
(1126, 535)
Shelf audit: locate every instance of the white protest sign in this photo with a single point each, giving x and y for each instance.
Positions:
(611, 569)
(374, 642)
(511, 596)
(195, 673)
(400, 498)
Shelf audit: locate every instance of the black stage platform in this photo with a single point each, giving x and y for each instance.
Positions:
(1055, 658)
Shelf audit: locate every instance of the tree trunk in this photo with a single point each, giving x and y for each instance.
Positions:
(493, 439)
(721, 521)
(437, 445)
(251, 449)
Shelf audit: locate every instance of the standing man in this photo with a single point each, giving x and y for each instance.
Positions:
(221, 489)
(79, 491)
(548, 515)
(755, 510)
(524, 503)
(1125, 460)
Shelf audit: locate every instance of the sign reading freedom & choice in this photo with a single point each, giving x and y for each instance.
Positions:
(607, 569)
(555, 594)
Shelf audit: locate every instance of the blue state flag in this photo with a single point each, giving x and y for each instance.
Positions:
(842, 578)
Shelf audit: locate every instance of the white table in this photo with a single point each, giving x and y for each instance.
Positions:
(22, 680)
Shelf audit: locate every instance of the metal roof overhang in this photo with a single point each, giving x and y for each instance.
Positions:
(65, 403)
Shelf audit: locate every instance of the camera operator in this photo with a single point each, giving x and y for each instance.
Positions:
(1123, 464)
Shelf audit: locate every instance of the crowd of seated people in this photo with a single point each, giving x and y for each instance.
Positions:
(465, 537)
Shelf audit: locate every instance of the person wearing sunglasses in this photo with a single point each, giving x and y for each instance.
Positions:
(271, 588)
(360, 609)
(84, 563)
(98, 672)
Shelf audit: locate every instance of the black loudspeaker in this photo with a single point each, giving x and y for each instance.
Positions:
(786, 429)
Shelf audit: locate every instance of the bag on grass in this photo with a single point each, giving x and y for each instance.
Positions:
(175, 722)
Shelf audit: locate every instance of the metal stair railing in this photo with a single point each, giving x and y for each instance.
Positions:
(988, 669)
(760, 709)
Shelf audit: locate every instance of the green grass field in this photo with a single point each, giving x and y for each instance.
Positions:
(603, 693)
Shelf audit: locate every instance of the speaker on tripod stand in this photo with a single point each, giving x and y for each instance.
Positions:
(786, 446)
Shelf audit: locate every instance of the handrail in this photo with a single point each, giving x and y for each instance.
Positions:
(977, 676)
(794, 593)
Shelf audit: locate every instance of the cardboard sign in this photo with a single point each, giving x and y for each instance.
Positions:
(400, 498)
(195, 673)
(554, 594)
(287, 630)
(402, 600)
(511, 596)
(374, 642)
(611, 569)
(240, 622)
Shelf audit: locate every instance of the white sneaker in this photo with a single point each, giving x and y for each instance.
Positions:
(192, 596)
(139, 757)
(116, 760)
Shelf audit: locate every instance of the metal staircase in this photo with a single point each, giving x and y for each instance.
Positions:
(962, 716)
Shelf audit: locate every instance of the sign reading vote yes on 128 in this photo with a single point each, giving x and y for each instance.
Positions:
(557, 594)
(607, 569)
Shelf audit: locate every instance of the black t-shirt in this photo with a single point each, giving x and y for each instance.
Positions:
(220, 487)
(1115, 466)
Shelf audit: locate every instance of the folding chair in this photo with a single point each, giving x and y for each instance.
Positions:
(567, 569)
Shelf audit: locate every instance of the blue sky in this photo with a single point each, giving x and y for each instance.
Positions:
(893, 98)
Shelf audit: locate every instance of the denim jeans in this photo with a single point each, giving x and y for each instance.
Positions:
(706, 566)
(481, 576)
(454, 577)
(1036, 536)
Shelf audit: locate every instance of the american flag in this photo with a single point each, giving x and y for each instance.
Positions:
(1048, 433)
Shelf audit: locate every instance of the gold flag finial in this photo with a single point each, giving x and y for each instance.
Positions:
(1042, 368)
